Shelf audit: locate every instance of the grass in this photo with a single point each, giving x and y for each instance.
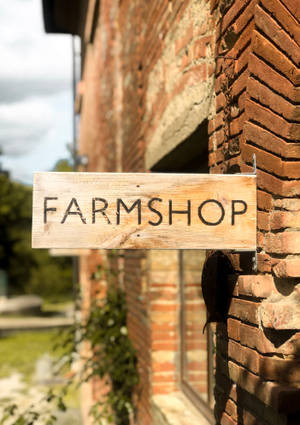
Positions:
(20, 351)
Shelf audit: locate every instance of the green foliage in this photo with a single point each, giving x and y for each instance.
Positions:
(63, 165)
(28, 270)
(112, 358)
(20, 351)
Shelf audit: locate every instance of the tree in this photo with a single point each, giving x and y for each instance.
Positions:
(28, 270)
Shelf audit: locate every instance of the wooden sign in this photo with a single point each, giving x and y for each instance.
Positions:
(144, 210)
(68, 252)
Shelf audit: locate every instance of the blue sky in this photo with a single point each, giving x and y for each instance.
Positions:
(35, 91)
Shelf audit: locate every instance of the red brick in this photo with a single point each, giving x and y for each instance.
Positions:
(273, 79)
(290, 188)
(265, 49)
(264, 201)
(231, 409)
(216, 123)
(270, 99)
(279, 370)
(286, 19)
(165, 346)
(274, 185)
(271, 142)
(244, 33)
(255, 338)
(231, 14)
(233, 329)
(227, 420)
(272, 163)
(259, 286)
(272, 121)
(240, 84)
(287, 204)
(291, 170)
(264, 264)
(275, 33)
(163, 367)
(281, 312)
(199, 47)
(263, 221)
(246, 356)
(244, 310)
(166, 388)
(285, 219)
(260, 240)
(163, 377)
(283, 243)
(236, 125)
(287, 268)
(164, 307)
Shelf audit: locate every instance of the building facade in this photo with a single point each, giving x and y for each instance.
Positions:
(201, 86)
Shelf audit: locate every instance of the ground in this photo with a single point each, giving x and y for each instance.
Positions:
(28, 366)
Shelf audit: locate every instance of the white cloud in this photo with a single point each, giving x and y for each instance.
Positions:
(35, 91)
(29, 57)
(43, 153)
(23, 124)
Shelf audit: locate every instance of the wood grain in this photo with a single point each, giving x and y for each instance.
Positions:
(144, 211)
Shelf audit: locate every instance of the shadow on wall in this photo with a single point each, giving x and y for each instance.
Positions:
(250, 388)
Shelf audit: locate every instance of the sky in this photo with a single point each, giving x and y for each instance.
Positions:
(35, 91)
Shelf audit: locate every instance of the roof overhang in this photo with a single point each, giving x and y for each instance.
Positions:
(62, 16)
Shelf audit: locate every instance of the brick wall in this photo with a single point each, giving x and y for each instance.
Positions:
(257, 74)
(152, 74)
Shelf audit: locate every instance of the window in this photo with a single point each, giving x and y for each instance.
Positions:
(196, 345)
(196, 353)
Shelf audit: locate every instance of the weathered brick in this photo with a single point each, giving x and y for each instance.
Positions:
(270, 99)
(269, 141)
(280, 370)
(233, 329)
(275, 33)
(272, 121)
(287, 204)
(244, 310)
(263, 220)
(273, 79)
(264, 264)
(276, 186)
(288, 268)
(265, 49)
(255, 338)
(285, 219)
(231, 409)
(286, 19)
(227, 420)
(283, 243)
(259, 286)
(264, 201)
(230, 15)
(281, 312)
(247, 357)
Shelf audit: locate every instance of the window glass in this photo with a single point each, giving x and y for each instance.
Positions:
(196, 345)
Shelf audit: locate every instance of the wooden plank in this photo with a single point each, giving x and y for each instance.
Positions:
(144, 210)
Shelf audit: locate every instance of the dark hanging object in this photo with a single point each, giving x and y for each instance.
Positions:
(217, 277)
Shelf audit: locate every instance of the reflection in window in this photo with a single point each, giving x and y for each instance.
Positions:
(196, 346)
